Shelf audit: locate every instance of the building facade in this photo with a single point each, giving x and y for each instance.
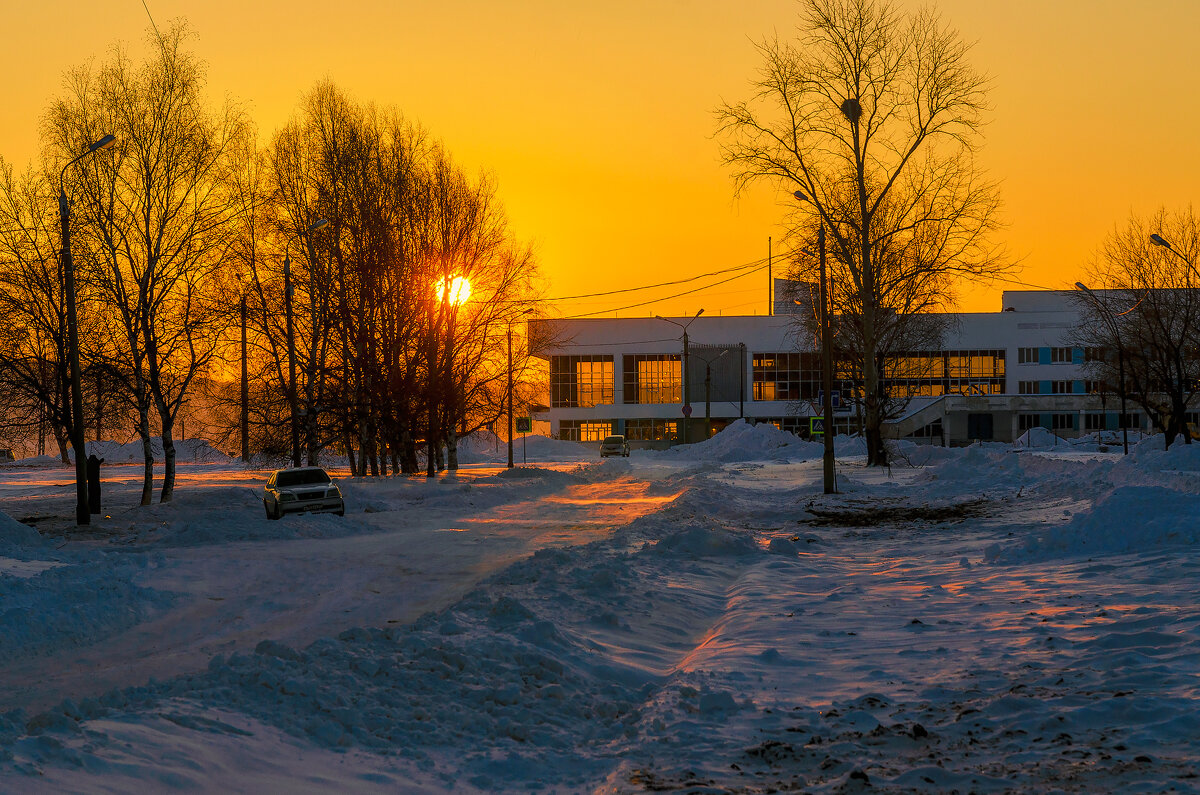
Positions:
(995, 376)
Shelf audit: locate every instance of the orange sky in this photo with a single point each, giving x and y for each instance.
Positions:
(596, 118)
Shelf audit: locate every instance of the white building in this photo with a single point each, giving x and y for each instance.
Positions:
(996, 375)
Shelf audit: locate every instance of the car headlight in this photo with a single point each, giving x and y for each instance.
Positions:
(333, 491)
(285, 497)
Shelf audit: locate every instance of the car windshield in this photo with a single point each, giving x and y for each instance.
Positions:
(301, 477)
(614, 440)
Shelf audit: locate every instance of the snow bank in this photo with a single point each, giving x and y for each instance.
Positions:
(187, 451)
(484, 447)
(1128, 519)
(74, 602)
(741, 441)
(15, 536)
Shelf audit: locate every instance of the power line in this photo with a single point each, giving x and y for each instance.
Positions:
(664, 298)
(758, 262)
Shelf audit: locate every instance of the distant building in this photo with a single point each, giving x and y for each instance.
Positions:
(997, 375)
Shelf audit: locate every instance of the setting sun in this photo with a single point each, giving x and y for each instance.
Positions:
(460, 290)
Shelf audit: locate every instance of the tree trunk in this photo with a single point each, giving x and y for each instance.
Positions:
(348, 444)
(147, 455)
(452, 447)
(168, 443)
(408, 453)
(372, 456)
(60, 437)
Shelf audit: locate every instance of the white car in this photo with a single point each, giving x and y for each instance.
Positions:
(302, 490)
(614, 445)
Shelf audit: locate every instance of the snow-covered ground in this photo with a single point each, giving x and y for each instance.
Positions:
(703, 619)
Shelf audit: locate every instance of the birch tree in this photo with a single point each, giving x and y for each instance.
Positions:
(156, 215)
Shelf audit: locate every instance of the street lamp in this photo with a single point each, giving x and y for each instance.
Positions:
(1111, 319)
(708, 363)
(1159, 240)
(687, 392)
(509, 392)
(82, 512)
(826, 351)
(320, 223)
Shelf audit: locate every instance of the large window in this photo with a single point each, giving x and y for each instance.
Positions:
(584, 430)
(1060, 355)
(1027, 356)
(933, 373)
(651, 429)
(653, 378)
(581, 381)
(787, 376)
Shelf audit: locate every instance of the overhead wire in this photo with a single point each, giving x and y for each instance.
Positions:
(757, 262)
(665, 297)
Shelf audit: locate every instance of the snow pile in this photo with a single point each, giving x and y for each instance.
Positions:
(187, 451)
(484, 447)
(74, 602)
(741, 441)
(1128, 519)
(1039, 437)
(15, 536)
(1149, 455)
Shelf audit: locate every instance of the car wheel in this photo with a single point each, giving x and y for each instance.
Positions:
(342, 512)
(270, 513)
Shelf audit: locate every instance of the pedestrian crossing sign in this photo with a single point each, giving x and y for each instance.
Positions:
(816, 426)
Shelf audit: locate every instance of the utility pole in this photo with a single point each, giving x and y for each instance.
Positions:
(708, 363)
(245, 418)
(83, 513)
(508, 399)
(826, 370)
(742, 381)
(687, 392)
(288, 290)
(287, 294)
(770, 282)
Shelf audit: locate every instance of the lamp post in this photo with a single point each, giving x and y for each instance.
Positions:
(509, 399)
(82, 512)
(826, 362)
(1111, 319)
(708, 363)
(687, 392)
(245, 415)
(320, 223)
(1159, 240)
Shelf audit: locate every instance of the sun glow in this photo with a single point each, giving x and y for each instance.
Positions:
(460, 290)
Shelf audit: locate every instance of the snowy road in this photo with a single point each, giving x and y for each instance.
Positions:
(700, 620)
(404, 563)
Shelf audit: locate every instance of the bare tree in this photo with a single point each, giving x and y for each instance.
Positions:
(34, 369)
(386, 355)
(157, 215)
(873, 116)
(1144, 317)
